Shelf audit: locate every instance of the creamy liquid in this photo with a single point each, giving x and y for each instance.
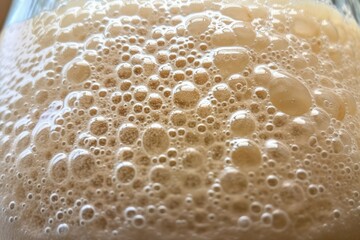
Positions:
(180, 120)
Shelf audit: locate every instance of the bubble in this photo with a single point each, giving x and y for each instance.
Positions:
(40, 136)
(262, 75)
(62, 229)
(200, 76)
(130, 212)
(125, 172)
(187, 119)
(245, 34)
(233, 181)
(67, 54)
(12, 205)
(124, 71)
(149, 65)
(272, 181)
(280, 220)
(191, 180)
(98, 126)
(221, 92)
(313, 190)
(87, 213)
(128, 133)
(155, 139)
(41, 96)
(138, 221)
(191, 158)
(58, 168)
(242, 123)
(289, 95)
(230, 60)
(197, 24)
(256, 208)
(244, 223)
(236, 12)
(330, 102)
(277, 151)
(301, 174)
(321, 118)
(223, 37)
(125, 85)
(301, 128)
(350, 103)
(178, 118)
(336, 213)
(204, 108)
(179, 75)
(180, 62)
(279, 43)
(140, 93)
(86, 99)
(82, 164)
(25, 160)
(291, 193)
(165, 70)
(186, 95)
(78, 72)
(162, 57)
(217, 151)
(155, 101)
(330, 30)
(54, 197)
(160, 174)
(237, 83)
(305, 26)
(192, 138)
(125, 154)
(245, 153)
(266, 219)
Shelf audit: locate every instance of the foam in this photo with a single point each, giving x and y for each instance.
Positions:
(180, 119)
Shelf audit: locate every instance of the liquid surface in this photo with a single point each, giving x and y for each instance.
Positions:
(177, 120)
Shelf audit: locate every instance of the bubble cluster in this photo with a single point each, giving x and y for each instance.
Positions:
(180, 120)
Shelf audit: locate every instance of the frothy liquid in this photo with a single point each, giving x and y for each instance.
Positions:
(181, 120)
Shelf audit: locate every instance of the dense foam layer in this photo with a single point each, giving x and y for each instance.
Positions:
(180, 119)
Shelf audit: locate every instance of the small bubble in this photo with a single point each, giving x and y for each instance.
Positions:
(186, 95)
(313, 190)
(128, 133)
(244, 223)
(160, 174)
(62, 229)
(272, 181)
(98, 126)
(82, 164)
(245, 153)
(125, 172)
(155, 139)
(87, 213)
(130, 212)
(242, 123)
(79, 72)
(138, 221)
(58, 168)
(191, 158)
(233, 182)
(221, 92)
(280, 220)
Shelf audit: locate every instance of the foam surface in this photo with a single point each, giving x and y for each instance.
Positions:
(180, 120)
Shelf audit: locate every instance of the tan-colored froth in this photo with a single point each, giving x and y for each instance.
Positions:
(180, 120)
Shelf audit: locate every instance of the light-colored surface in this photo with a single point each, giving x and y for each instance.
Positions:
(4, 6)
(182, 120)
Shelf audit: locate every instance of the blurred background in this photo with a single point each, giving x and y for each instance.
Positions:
(4, 7)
